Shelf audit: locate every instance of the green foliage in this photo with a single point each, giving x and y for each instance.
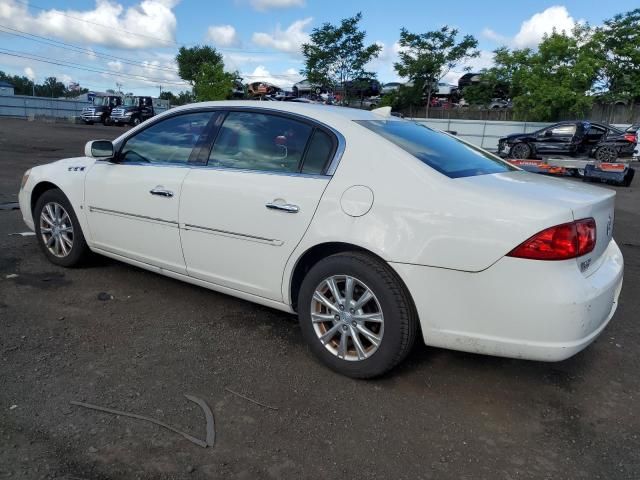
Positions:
(402, 98)
(191, 61)
(213, 83)
(337, 54)
(620, 40)
(425, 58)
(181, 99)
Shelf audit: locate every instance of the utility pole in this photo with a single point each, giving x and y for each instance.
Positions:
(160, 87)
(119, 87)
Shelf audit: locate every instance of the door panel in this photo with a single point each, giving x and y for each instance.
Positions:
(230, 237)
(125, 218)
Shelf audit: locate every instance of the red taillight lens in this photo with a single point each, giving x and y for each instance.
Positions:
(630, 137)
(561, 242)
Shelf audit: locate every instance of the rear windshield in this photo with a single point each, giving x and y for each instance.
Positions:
(444, 153)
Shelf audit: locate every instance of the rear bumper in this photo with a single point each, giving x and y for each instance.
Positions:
(517, 308)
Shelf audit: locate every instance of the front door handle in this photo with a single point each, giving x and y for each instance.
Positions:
(162, 192)
(285, 207)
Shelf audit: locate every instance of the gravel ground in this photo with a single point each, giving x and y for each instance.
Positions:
(441, 415)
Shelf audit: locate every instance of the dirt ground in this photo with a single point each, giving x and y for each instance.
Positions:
(441, 415)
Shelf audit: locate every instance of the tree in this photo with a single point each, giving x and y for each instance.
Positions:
(559, 78)
(336, 54)
(51, 88)
(213, 83)
(620, 37)
(425, 58)
(191, 60)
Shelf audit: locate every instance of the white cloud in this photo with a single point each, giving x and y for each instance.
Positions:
(284, 80)
(289, 40)
(153, 21)
(533, 29)
(223, 36)
(115, 66)
(29, 73)
(263, 5)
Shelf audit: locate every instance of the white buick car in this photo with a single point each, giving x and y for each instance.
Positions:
(372, 229)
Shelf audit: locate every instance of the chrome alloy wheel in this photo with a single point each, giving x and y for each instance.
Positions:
(56, 229)
(347, 317)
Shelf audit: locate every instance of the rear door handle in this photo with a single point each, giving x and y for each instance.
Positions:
(285, 207)
(162, 192)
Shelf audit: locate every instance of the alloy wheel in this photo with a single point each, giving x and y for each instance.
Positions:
(606, 154)
(520, 151)
(56, 229)
(347, 318)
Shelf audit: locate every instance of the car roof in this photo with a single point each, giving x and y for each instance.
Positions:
(323, 113)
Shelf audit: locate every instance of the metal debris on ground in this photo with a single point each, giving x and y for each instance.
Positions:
(250, 399)
(10, 206)
(210, 439)
(11, 275)
(23, 234)
(104, 296)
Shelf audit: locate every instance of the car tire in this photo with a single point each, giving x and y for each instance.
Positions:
(394, 321)
(520, 151)
(54, 211)
(135, 121)
(106, 121)
(606, 154)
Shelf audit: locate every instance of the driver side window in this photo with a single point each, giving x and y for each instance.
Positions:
(170, 141)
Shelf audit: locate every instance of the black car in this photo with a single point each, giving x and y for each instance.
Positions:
(133, 111)
(576, 138)
(100, 109)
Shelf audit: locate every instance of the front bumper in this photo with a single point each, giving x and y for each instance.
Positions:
(88, 117)
(24, 199)
(121, 119)
(516, 308)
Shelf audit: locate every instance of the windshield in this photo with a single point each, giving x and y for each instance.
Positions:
(444, 153)
(100, 101)
(130, 102)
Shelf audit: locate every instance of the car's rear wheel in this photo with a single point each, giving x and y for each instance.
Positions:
(136, 121)
(356, 315)
(606, 154)
(58, 231)
(520, 151)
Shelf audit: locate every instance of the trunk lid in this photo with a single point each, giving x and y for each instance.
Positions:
(542, 200)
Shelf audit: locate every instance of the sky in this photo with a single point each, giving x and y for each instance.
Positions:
(134, 42)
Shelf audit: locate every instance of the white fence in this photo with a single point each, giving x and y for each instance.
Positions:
(22, 106)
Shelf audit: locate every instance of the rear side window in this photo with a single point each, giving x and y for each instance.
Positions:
(444, 153)
(564, 130)
(256, 141)
(318, 153)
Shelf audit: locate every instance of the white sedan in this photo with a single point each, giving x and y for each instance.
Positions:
(373, 229)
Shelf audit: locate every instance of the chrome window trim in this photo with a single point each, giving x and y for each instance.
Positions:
(330, 169)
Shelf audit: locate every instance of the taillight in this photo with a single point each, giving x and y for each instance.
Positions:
(630, 137)
(561, 242)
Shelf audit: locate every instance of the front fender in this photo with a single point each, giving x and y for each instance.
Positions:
(67, 175)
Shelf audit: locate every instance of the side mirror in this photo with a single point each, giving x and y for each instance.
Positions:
(99, 149)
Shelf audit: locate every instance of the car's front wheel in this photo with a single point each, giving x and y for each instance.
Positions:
(520, 151)
(58, 231)
(356, 315)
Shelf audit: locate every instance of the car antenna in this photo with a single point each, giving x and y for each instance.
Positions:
(382, 111)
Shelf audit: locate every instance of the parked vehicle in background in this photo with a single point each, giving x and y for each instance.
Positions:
(499, 103)
(260, 89)
(133, 111)
(469, 79)
(288, 205)
(390, 87)
(362, 87)
(305, 87)
(238, 90)
(100, 109)
(577, 138)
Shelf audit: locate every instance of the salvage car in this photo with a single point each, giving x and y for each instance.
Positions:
(578, 138)
(372, 229)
